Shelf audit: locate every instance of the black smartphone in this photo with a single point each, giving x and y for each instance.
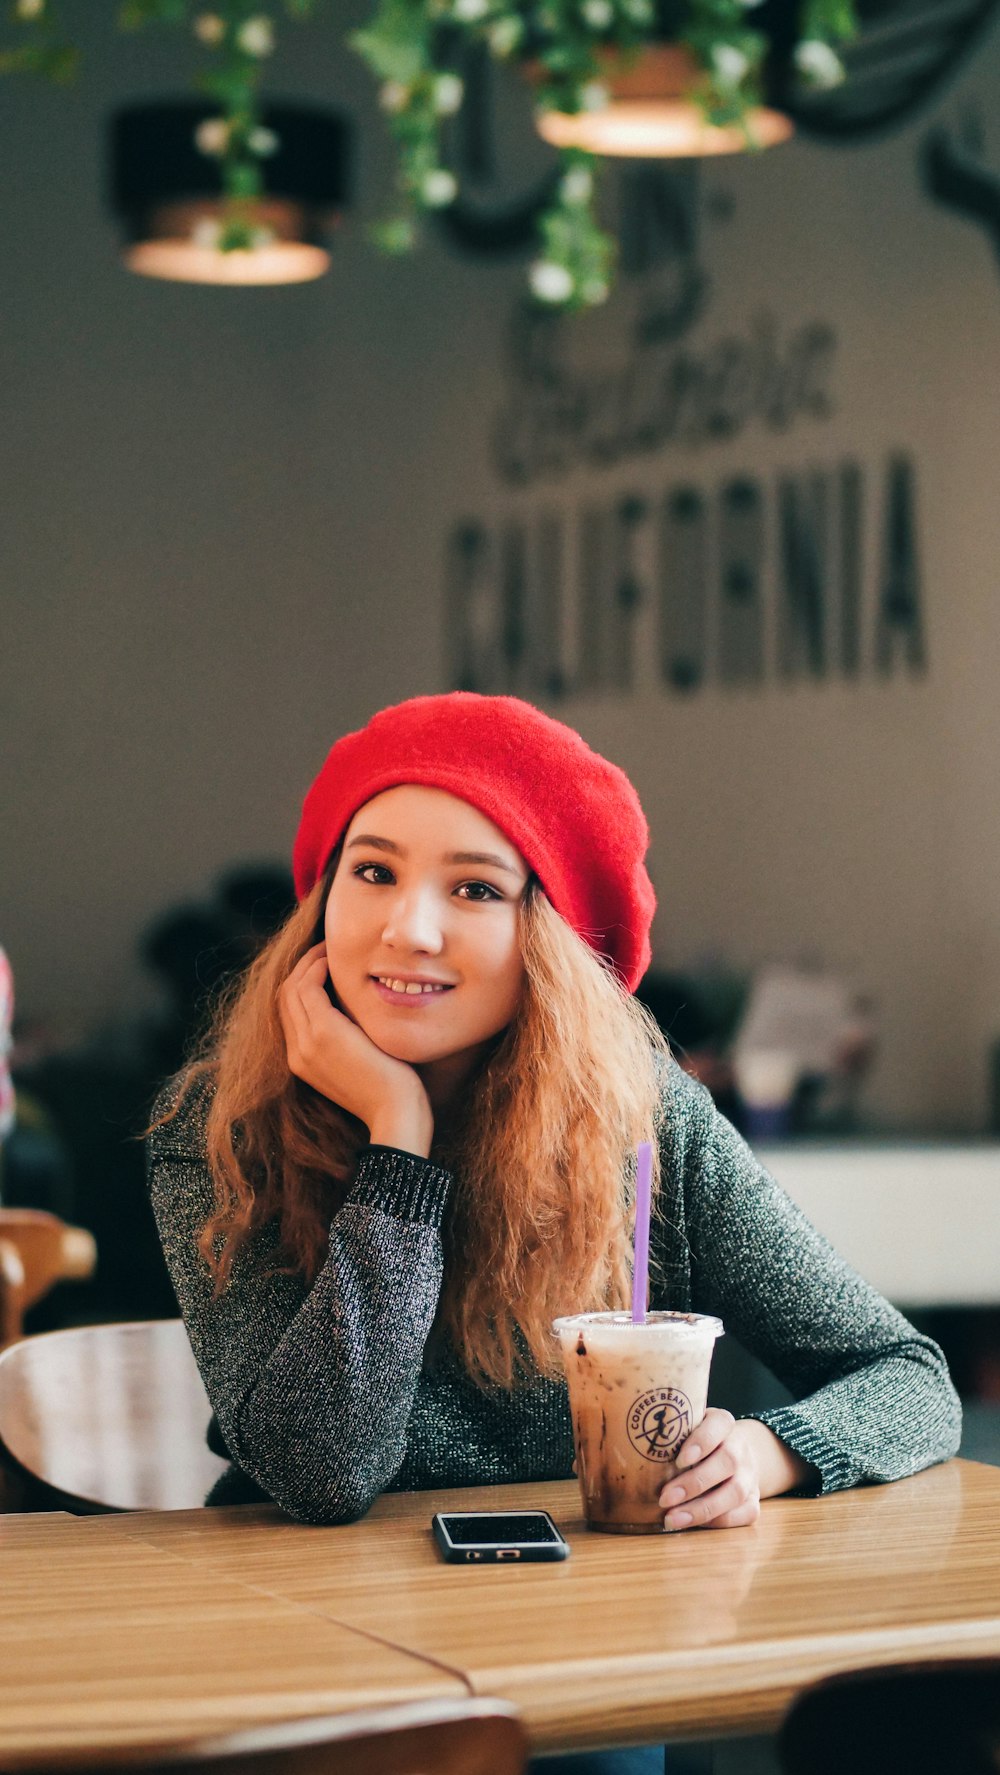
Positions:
(492, 1535)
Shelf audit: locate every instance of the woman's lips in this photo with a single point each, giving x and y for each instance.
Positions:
(410, 1000)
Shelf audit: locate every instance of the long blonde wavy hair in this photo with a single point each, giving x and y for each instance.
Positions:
(539, 1220)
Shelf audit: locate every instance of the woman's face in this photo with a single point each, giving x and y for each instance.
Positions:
(422, 927)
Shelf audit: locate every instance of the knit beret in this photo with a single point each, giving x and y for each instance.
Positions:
(574, 817)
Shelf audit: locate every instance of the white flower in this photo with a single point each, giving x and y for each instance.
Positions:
(577, 185)
(449, 92)
(212, 136)
(598, 13)
(263, 141)
(29, 9)
(256, 35)
(505, 35)
(439, 188)
(819, 64)
(594, 96)
(550, 282)
(468, 11)
(206, 234)
(208, 27)
(730, 63)
(394, 96)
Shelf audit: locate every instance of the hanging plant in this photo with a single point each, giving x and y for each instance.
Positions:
(570, 50)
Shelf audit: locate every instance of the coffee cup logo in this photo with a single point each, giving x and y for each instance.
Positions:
(659, 1422)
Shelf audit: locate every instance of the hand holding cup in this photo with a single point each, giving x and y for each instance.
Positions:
(724, 1468)
(717, 1482)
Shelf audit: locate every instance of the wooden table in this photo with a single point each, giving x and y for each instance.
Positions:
(152, 1625)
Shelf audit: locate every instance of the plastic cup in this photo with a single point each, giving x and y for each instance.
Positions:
(635, 1392)
(766, 1080)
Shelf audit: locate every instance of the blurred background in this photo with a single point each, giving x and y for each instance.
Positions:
(739, 526)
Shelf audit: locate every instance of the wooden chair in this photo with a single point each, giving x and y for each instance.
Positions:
(37, 1250)
(103, 1418)
(468, 1737)
(940, 1718)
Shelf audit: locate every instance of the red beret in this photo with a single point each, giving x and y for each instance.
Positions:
(574, 817)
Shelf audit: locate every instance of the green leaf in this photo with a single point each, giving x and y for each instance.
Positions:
(396, 235)
(242, 179)
(58, 62)
(135, 13)
(391, 58)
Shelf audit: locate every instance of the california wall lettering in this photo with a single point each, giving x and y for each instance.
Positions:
(799, 577)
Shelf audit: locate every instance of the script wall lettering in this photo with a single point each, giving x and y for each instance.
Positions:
(555, 419)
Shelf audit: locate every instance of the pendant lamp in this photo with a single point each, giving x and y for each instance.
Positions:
(650, 113)
(168, 197)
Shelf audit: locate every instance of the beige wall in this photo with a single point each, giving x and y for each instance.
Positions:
(223, 543)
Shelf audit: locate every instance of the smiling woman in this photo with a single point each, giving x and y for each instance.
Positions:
(410, 1145)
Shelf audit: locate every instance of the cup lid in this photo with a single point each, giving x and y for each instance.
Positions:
(695, 1325)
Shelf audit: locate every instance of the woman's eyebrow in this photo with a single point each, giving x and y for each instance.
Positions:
(480, 857)
(385, 844)
(373, 843)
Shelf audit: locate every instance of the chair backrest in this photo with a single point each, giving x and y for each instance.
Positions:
(49, 1252)
(11, 1292)
(466, 1737)
(940, 1718)
(107, 1417)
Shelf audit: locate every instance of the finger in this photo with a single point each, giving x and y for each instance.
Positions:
(714, 1470)
(306, 959)
(311, 991)
(303, 992)
(713, 1429)
(289, 1016)
(698, 1512)
(741, 1518)
(292, 1009)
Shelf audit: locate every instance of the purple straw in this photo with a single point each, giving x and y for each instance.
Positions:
(643, 1203)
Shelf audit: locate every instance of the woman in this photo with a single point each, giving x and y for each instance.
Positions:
(408, 1148)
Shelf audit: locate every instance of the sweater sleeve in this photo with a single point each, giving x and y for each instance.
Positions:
(874, 1397)
(312, 1387)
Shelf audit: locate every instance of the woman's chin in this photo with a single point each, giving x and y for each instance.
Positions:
(401, 1044)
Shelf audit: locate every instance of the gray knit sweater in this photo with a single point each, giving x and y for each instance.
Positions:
(323, 1399)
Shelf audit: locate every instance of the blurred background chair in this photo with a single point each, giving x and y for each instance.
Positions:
(37, 1250)
(914, 1719)
(103, 1418)
(467, 1737)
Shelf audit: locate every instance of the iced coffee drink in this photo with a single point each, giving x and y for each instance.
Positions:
(636, 1392)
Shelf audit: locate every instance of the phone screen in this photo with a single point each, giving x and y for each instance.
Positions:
(500, 1530)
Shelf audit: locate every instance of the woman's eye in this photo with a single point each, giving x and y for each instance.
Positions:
(479, 890)
(370, 871)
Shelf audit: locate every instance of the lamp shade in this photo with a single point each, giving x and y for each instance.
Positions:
(651, 113)
(168, 195)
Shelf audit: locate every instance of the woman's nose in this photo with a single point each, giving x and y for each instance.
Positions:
(414, 922)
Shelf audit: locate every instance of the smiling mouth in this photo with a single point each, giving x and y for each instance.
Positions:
(411, 989)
